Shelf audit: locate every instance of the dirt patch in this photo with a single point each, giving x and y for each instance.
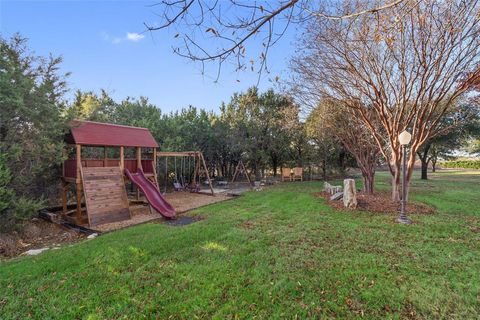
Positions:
(35, 235)
(475, 229)
(380, 202)
(39, 233)
(248, 225)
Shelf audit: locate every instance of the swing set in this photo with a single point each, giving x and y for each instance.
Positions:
(239, 170)
(187, 180)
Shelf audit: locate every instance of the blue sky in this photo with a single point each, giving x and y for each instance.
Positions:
(101, 46)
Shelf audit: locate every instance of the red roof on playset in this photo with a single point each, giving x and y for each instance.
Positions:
(106, 134)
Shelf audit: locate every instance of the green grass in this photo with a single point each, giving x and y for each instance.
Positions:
(281, 253)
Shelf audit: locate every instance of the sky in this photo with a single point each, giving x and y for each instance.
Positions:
(104, 46)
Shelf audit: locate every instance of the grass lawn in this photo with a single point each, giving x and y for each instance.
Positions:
(281, 253)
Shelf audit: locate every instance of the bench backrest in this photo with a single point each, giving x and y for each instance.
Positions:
(286, 172)
(298, 171)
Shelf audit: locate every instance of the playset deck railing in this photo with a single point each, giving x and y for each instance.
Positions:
(70, 165)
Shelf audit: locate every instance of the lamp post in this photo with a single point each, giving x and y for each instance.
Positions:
(404, 138)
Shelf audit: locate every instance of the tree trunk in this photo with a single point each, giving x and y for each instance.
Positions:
(434, 164)
(257, 172)
(396, 166)
(423, 156)
(396, 176)
(275, 161)
(424, 175)
(341, 160)
(368, 184)
(324, 170)
(410, 167)
(367, 167)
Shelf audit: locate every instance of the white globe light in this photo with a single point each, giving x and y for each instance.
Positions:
(404, 138)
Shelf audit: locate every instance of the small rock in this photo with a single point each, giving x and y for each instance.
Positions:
(34, 252)
(336, 196)
(92, 236)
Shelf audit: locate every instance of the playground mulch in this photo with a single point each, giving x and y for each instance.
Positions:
(379, 202)
(181, 201)
(185, 201)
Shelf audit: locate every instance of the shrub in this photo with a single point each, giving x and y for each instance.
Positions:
(6, 193)
(462, 164)
(25, 209)
(14, 212)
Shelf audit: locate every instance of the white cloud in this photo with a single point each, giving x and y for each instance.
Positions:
(135, 37)
(130, 36)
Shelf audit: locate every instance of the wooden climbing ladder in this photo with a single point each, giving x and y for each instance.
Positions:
(105, 195)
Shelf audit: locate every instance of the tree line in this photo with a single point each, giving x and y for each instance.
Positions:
(387, 66)
(263, 129)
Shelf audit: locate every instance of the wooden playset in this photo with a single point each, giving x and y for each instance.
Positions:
(101, 182)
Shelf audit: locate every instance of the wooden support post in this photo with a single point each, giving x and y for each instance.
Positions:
(139, 157)
(154, 157)
(246, 173)
(79, 202)
(206, 172)
(122, 158)
(154, 164)
(139, 166)
(166, 175)
(196, 172)
(235, 173)
(78, 183)
(241, 168)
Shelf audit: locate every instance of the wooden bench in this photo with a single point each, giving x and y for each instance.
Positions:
(297, 174)
(286, 174)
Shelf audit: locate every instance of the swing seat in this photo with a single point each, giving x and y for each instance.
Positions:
(177, 186)
(193, 188)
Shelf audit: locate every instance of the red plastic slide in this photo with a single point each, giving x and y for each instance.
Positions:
(154, 197)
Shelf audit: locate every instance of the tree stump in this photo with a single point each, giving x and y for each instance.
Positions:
(349, 194)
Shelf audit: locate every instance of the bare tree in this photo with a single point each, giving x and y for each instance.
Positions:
(220, 31)
(343, 123)
(403, 67)
(472, 84)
